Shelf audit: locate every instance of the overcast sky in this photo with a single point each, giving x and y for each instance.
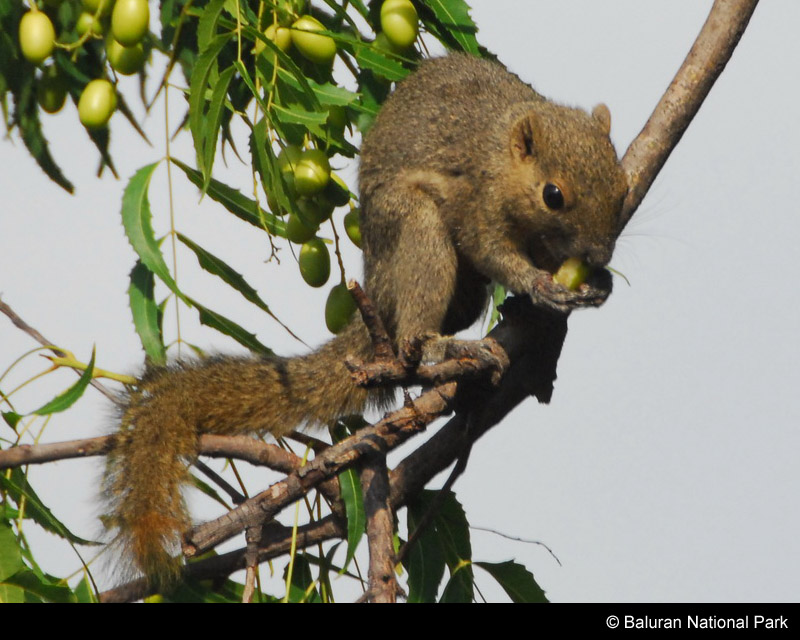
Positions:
(665, 468)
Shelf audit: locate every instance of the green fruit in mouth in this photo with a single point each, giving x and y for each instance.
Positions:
(572, 274)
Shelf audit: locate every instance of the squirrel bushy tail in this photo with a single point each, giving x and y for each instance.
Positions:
(172, 406)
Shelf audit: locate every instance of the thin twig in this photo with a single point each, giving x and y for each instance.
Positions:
(33, 333)
(683, 98)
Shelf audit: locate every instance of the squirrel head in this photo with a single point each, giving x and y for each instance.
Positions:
(567, 181)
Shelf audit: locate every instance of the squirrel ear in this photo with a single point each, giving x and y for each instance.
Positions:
(603, 116)
(522, 145)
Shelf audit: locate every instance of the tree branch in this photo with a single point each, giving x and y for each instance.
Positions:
(683, 98)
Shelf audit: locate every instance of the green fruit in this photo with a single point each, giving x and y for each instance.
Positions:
(316, 47)
(315, 262)
(297, 231)
(288, 10)
(87, 22)
(289, 158)
(37, 37)
(130, 21)
(339, 308)
(92, 6)
(97, 104)
(280, 36)
(314, 211)
(51, 92)
(572, 274)
(400, 23)
(312, 172)
(336, 191)
(337, 119)
(352, 227)
(124, 60)
(384, 44)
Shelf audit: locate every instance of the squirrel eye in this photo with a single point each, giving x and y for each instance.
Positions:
(553, 197)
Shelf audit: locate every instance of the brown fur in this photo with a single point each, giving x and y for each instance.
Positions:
(452, 176)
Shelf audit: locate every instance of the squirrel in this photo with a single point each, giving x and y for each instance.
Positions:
(467, 176)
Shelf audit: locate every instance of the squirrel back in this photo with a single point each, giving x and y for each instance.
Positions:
(467, 176)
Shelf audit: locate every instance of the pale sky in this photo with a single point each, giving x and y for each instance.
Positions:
(665, 468)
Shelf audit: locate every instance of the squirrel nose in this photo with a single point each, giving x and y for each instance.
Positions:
(599, 255)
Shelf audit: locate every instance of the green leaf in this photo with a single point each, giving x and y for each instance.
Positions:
(297, 115)
(350, 488)
(17, 487)
(239, 205)
(230, 328)
(136, 220)
(453, 15)
(26, 115)
(10, 555)
(146, 314)
(68, 398)
(425, 563)
(372, 59)
(453, 528)
(326, 94)
(451, 532)
(498, 297)
(205, 591)
(213, 121)
(41, 587)
(266, 165)
(204, 66)
(218, 267)
(301, 582)
(516, 580)
(460, 587)
(207, 489)
(207, 24)
(11, 418)
(84, 592)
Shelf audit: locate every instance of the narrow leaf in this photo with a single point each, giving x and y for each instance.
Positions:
(218, 267)
(11, 418)
(453, 15)
(352, 496)
(239, 205)
(372, 59)
(17, 487)
(26, 114)
(207, 24)
(10, 556)
(230, 328)
(425, 562)
(296, 115)
(68, 398)
(214, 120)
(146, 314)
(136, 220)
(516, 580)
(37, 585)
(84, 592)
(205, 64)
